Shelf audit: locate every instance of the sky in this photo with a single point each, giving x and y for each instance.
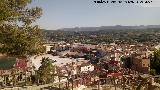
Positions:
(85, 13)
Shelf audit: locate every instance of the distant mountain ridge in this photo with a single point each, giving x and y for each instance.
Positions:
(117, 27)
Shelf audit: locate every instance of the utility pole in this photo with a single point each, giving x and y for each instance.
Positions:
(59, 82)
(72, 83)
(115, 83)
(25, 78)
(98, 84)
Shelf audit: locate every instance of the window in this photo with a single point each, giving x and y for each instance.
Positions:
(143, 65)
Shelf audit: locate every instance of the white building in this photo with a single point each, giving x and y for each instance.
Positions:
(87, 68)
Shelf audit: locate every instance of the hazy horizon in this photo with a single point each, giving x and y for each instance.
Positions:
(101, 26)
(59, 14)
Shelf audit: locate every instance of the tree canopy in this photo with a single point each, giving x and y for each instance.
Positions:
(155, 61)
(46, 71)
(18, 35)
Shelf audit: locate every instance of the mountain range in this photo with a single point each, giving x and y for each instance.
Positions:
(117, 27)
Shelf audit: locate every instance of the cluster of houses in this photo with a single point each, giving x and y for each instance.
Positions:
(14, 69)
(76, 59)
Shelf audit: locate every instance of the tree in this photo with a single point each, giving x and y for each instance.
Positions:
(127, 62)
(18, 36)
(155, 61)
(153, 72)
(46, 71)
(143, 83)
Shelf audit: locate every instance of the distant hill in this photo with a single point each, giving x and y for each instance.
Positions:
(117, 27)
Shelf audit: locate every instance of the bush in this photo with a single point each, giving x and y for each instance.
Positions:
(153, 72)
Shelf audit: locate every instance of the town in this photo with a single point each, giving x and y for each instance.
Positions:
(40, 57)
(78, 65)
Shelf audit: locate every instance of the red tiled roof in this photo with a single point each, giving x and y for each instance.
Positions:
(21, 64)
(115, 74)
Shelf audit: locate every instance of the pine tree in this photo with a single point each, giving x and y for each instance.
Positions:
(18, 36)
(46, 71)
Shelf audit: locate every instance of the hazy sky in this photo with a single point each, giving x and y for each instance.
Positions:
(85, 13)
